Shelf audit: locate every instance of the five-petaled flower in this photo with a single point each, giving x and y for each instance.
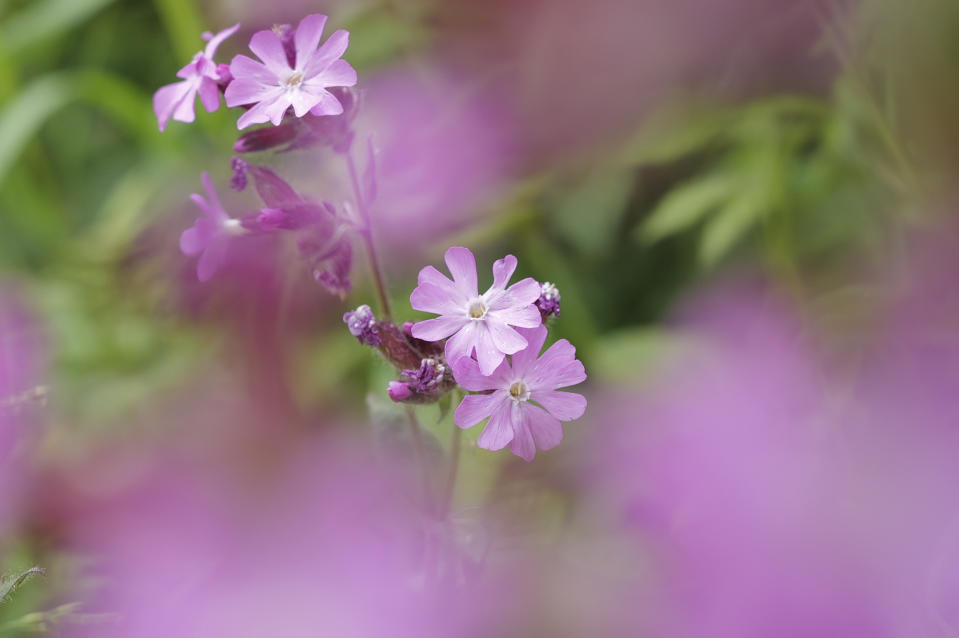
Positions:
(277, 83)
(525, 407)
(201, 76)
(211, 233)
(478, 323)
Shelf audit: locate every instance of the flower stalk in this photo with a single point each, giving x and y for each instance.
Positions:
(379, 282)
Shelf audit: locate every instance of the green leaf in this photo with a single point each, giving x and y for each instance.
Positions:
(668, 137)
(728, 226)
(9, 584)
(682, 207)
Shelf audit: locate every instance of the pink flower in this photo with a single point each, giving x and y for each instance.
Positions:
(209, 236)
(201, 75)
(274, 85)
(480, 323)
(525, 408)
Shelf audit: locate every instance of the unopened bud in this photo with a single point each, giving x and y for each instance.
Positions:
(399, 391)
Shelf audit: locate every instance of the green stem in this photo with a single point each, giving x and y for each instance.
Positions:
(453, 471)
(378, 280)
(420, 454)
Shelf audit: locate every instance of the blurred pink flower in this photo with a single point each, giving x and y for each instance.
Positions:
(308, 546)
(517, 388)
(277, 83)
(481, 323)
(443, 150)
(201, 76)
(211, 233)
(774, 494)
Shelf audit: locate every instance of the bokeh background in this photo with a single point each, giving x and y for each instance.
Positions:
(748, 206)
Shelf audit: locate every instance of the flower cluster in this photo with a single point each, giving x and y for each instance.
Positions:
(519, 397)
(301, 87)
(488, 344)
(485, 343)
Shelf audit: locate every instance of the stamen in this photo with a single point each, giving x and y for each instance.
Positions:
(294, 80)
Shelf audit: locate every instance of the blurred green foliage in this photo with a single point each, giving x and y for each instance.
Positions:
(793, 183)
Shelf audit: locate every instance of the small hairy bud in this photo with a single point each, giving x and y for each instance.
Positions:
(362, 325)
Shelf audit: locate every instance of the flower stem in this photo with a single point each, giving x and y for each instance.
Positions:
(453, 471)
(367, 232)
(420, 454)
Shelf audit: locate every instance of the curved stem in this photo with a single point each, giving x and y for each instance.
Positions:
(378, 280)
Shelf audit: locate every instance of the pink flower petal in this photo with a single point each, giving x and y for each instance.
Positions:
(503, 269)
(546, 430)
(522, 444)
(275, 191)
(328, 105)
(302, 101)
(524, 359)
(270, 109)
(487, 354)
(521, 293)
(215, 207)
(332, 49)
(307, 38)
(461, 344)
(218, 39)
(557, 368)
(439, 328)
(477, 407)
(467, 373)
(190, 70)
(339, 73)
(249, 69)
(269, 48)
(430, 298)
(169, 99)
(246, 90)
(186, 109)
(192, 240)
(462, 266)
(522, 317)
(506, 340)
(211, 259)
(209, 95)
(432, 276)
(499, 431)
(565, 406)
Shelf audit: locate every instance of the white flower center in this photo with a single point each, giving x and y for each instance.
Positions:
(477, 309)
(518, 391)
(232, 226)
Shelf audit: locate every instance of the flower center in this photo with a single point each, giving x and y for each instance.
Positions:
(518, 391)
(477, 310)
(294, 80)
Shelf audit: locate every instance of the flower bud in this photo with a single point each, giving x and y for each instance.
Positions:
(399, 391)
(266, 138)
(548, 302)
(362, 325)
